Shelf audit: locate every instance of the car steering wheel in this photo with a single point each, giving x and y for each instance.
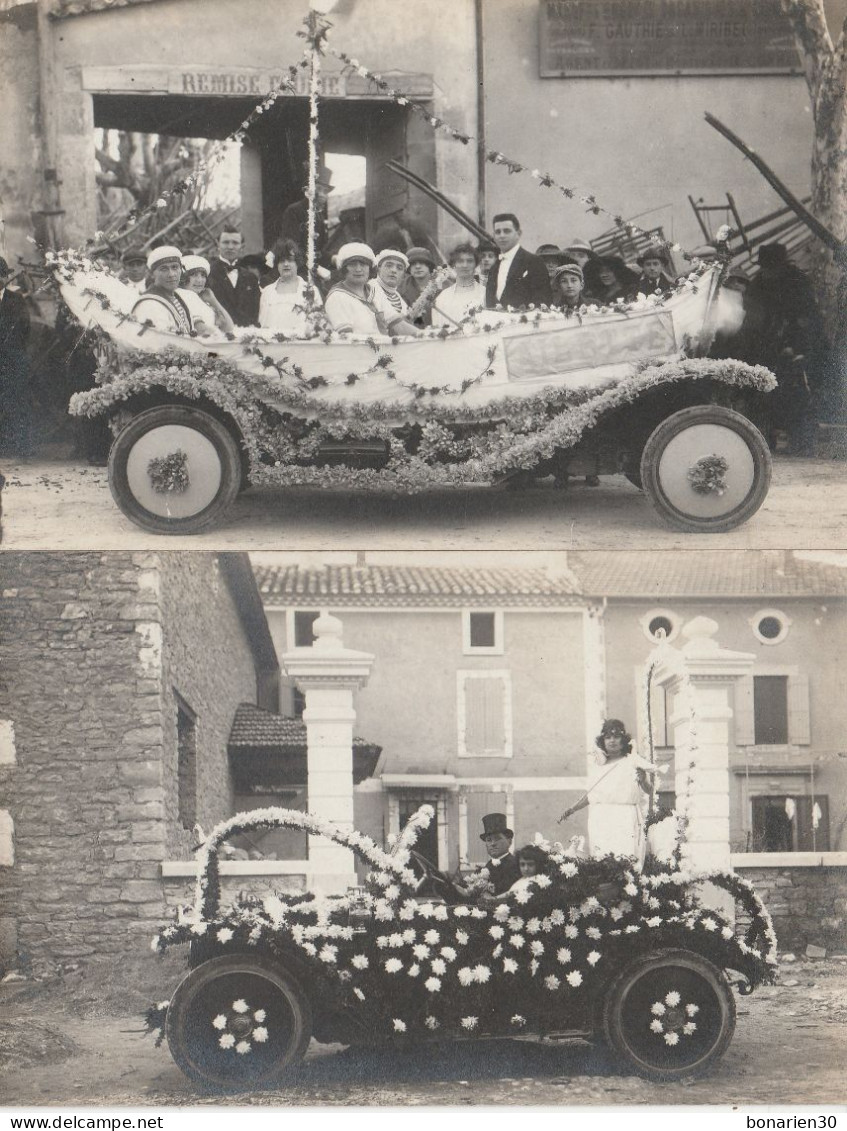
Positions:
(442, 884)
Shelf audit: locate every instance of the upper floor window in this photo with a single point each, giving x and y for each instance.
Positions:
(660, 624)
(770, 710)
(772, 707)
(770, 626)
(485, 714)
(482, 632)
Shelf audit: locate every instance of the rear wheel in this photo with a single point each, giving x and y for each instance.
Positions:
(174, 470)
(706, 469)
(235, 1024)
(669, 1015)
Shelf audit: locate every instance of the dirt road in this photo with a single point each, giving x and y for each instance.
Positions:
(58, 505)
(72, 1042)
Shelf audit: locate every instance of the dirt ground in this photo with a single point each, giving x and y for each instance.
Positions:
(75, 1040)
(57, 504)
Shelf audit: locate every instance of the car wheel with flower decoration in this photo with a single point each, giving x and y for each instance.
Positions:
(669, 1015)
(706, 469)
(236, 1023)
(174, 469)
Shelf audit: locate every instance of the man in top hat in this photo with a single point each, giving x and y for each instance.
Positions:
(236, 288)
(133, 273)
(295, 218)
(519, 279)
(503, 868)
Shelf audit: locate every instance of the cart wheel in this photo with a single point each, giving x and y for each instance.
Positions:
(706, 469)
(174, 470)
(669, 1015)
(235, 1024)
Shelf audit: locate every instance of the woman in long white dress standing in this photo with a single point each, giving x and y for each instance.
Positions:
(617, 789)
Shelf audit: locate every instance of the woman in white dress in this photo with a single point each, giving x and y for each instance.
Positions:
(455, 303)
(349, 305)
(283, 304)
(617, 789)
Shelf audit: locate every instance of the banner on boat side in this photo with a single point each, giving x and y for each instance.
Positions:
(585, 38)
(589, 346)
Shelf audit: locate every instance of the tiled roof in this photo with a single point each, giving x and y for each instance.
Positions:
(63, 8)
(413, 585)
(713, 573)
(252, 727)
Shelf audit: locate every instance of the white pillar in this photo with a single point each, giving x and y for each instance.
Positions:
(700, 676)
(328, 674)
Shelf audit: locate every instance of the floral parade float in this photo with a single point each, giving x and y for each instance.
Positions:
(625, 388)
(595, 949)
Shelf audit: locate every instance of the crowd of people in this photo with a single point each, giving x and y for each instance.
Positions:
(402, 290)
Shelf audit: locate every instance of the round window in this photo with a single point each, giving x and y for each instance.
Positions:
(770, 626)
(660, 625)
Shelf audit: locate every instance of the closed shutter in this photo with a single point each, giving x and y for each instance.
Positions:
(799, 727)
(745, 730)
(485, 724)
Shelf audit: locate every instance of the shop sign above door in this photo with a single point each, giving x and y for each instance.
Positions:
(586, 38)
(245, 82)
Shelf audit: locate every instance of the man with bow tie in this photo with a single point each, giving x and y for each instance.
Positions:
(236, 289)
(503, 868)
(520, 278)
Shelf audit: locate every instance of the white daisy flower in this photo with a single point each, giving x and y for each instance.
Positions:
(673, 998)
(259, 1015)
(575, 978)
(413, 970)
(431, 1022)
(522, 895)
(515, 923)
(501, 912)
(518, 1021)
(571, 932)
(671, 1038)
(439, 966)
(393, 965)
(226, 1041)
(360, 961)
(657, 1026)
(594, 932)
(552, 982)
(533, 926)
(543, 881)
(469, 1022)
(462, 938)
(395, 940)
(440, 912)
(710, 924)
(328, 953)
(516, 941)
(631, 889)
(465, 976)
(461, 912)
(219, 1022)
(536, 947)
(408, 936)
(224, 934)
(688, 1028)
(420, 951)
(563, 955)
(260, 1034)
(593, 957)
(616, 913)
(449, 953)
(568, 869)
(399, 1026)
(692, 1010)
(658, 1009)
(240, 1006)
(510, 966)
(433, 985)
(481, 974)
(533, 967)
(496, 931)
(498, 950)
(392, 892)
(431, 937)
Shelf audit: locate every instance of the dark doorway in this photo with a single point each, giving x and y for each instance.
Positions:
(427, 842)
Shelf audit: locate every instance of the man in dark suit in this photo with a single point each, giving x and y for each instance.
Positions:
(15, 391)
(503, 867)
(236, 289)
(519, 278)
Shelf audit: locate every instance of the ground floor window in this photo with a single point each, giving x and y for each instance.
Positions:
(782, 823)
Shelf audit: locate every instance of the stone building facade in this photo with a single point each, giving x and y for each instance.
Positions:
(121, 675)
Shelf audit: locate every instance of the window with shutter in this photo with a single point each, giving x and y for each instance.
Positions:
(485, 715)
(799, 726)
(744, 718)
(770, 710)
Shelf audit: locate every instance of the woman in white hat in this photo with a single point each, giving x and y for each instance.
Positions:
(391, 266)
(160, 305)
(195, 275)
(283, 304)
(349, 305)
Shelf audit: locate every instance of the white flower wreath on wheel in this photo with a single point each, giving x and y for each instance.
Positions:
(659, 1010)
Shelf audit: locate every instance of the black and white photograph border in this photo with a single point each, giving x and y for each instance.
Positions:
(169, 719)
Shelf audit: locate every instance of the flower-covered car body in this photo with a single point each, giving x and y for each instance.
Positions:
(622, 388)
(588, 948)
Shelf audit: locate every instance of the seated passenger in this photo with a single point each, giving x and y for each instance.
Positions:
(451, 307)
(195, 275)
(656, 273)
(553, 257)
(390, 271)
(488, 258)
(282, 303)
(349, 306)
(567, 287)
(579, 251)
(160, 304)
(421, 285)
(608, 280)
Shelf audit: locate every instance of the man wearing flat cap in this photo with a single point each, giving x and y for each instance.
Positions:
(503, 867)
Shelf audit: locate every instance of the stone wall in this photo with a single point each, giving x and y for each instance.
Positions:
(93, 649)
(85, 792)
(808, 905)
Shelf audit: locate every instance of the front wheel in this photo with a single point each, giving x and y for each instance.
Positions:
(174, 470)
(706, 469)
(235, 1024)
(669, 1015)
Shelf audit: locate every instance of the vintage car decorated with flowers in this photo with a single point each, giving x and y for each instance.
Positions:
(620, 389)
(588, 948)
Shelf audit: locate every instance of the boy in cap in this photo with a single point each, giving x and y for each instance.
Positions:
(133, 273)
(567, 286)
